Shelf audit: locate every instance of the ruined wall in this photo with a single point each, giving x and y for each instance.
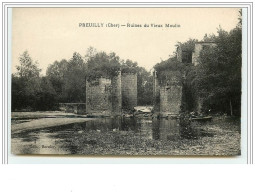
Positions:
(98, 96)
(170, 99)
(199, 46)
(103, 96)
(179, 54)
(116, 95)
(129, 90)
(156, 93)
(170, 94)
(183, 56)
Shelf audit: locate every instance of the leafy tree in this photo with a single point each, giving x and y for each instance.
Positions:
(46, 97)
(26, 84)
(164, 67)
(74, 81)
(56, 73)
(103, 65)
(91, 52)
(129, 66)
(27, 68)
(18, 95)
(218, 75)
(188, 45)
(144, 87)
(68, 79)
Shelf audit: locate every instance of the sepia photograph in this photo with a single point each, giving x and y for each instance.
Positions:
(126, 81)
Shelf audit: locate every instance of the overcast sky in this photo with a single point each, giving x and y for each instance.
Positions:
(51, 34)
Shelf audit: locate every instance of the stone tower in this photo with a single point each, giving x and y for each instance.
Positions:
(103, 96)
(129, 90)
(168, 94)
(116, 95)
(156, 93)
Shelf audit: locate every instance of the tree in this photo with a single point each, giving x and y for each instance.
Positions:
(74, 81)
(68, 79)
(27, 68)
(46, 97)
(26, 84)
(56, 73)
(218, 75)
(144, 87)
(103, 65)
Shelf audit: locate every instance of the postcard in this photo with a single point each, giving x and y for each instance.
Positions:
(126, 81)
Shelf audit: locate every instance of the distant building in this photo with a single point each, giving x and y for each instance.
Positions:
(199, 46)
(184, 55)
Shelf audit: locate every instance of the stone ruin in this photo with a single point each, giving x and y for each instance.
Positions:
(105, 96)
(167, 96)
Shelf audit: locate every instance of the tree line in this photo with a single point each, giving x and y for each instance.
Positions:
(65, 80)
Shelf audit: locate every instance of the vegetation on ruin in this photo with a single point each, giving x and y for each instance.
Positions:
(163, 69)
(217, 77)
(103, 65)
(187, 45)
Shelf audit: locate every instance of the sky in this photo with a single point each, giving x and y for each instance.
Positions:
(50, 34)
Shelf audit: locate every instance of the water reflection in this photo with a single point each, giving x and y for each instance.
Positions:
(71, 139)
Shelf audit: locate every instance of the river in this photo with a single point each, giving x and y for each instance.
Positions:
(105, 136)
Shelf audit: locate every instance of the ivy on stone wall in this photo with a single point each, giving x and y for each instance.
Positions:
(165, 70)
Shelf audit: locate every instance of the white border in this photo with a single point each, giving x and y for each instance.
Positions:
(147, 160)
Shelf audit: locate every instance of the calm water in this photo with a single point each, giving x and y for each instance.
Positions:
(71, 139)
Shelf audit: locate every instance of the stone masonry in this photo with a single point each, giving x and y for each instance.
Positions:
(129, 90)
(98, 96)
(106, 96)
(168, 95)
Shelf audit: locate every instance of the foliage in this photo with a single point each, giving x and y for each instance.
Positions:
(103, 65)
(56, 74)
(144, 87)
(187, 45)
(35, 94)
(164, 67)
(69, 78)
(46, 97)
(26, 84)
(74, 81)
(27, 68)
(129, 67)
(218, 76)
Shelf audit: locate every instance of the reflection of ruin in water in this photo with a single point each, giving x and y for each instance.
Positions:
(63, 139)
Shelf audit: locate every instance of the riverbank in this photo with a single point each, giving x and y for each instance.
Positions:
(22, 121)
